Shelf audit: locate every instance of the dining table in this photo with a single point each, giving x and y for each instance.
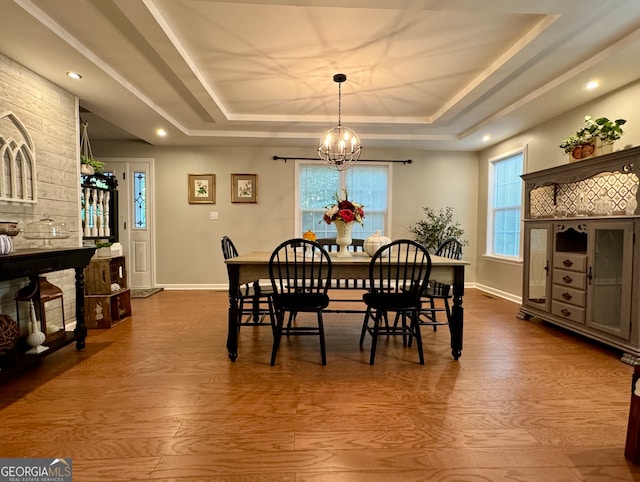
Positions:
(254, 265)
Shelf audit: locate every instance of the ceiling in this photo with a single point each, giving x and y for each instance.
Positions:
(421, 74)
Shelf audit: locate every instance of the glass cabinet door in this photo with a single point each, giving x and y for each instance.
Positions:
(609, 277)
(537, 252)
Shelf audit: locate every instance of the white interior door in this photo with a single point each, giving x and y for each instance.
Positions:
(135, 217)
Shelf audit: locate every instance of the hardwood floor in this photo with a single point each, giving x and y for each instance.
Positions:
(157, 398)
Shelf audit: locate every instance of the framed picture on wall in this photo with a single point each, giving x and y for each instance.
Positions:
(244, 188)
(202, 188)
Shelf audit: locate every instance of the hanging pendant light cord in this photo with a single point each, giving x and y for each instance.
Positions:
(339, 103)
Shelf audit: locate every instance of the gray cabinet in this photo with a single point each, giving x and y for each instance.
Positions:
(581, 269)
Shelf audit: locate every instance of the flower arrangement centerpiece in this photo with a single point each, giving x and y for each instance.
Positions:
(344, 210)
(594, 132)
(343, 214)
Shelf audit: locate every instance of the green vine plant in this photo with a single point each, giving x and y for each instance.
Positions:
(436, 227)
(97, 165)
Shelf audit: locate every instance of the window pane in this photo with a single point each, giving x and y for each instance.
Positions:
(506, 199)
(139, 200)
(365, 184)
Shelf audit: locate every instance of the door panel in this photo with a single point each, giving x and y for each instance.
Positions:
(136, 221)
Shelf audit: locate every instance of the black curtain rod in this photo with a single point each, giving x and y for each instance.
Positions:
(285, 159)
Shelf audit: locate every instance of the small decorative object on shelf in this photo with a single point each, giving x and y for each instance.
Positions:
(594, 138)
(344, 214)
(46, 230)
(10, 228)
(9, 333)
(36, 338)
(309, 235)
(6, 245)
(632, 202)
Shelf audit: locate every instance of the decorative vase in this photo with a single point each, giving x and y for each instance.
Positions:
(343, 238)
(36, 337)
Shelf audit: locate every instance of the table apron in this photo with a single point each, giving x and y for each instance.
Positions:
(249, 273)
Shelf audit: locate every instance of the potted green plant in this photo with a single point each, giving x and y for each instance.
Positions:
(592, 135)
(436, 227)
(93, 164)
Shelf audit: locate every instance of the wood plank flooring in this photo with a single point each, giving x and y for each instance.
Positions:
(156, 398)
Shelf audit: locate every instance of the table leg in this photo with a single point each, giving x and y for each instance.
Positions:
(80, 330)
(232, 330)
(457, 313)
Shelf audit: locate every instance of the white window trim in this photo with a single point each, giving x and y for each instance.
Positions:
(297, 228)
(488, 252)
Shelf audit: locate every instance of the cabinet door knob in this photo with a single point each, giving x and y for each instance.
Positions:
(568, 263)
(567, 296)
(567, 279)
(565, 312)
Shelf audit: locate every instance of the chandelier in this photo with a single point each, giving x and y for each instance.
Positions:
(339, 147)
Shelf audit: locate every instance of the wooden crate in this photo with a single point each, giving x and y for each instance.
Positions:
(102, 273)
(107, 311)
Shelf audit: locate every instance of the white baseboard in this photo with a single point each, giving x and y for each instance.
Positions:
(500, 294)
(213, 287)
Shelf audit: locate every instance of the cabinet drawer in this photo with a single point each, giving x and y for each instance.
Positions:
(570, 278)
(570, 261)
(568, 312)
(569, 295)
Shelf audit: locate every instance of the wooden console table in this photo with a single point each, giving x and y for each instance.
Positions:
(27, 263)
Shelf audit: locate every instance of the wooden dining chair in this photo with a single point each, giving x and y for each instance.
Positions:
(398, 273)
(258, 295)
(300, 273)
(449, 248)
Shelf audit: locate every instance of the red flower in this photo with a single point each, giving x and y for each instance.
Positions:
(347, 215)
(343, 210)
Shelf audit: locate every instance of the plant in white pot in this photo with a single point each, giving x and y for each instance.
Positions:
(593, 138)
(88, 164)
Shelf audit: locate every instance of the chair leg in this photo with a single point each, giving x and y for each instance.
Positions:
(322, 344)
(433, 313)
(272, 316)
(277, 334)
(374, 336)
(415, 322)
(364, 326)
(255, 308)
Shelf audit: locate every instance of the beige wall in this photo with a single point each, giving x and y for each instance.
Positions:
(49, 115)
(187, 244)
(188, 251)
(543, 152)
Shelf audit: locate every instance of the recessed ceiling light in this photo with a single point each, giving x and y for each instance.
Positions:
(486, 138)
(161, 132)
(594, 84)
(74, 75)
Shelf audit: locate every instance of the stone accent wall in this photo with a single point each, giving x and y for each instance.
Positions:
(50, 115)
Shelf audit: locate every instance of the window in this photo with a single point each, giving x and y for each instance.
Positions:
(505, 204)
(367, 184)
(139, 200)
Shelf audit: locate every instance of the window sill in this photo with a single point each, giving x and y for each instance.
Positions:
(503, 259)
